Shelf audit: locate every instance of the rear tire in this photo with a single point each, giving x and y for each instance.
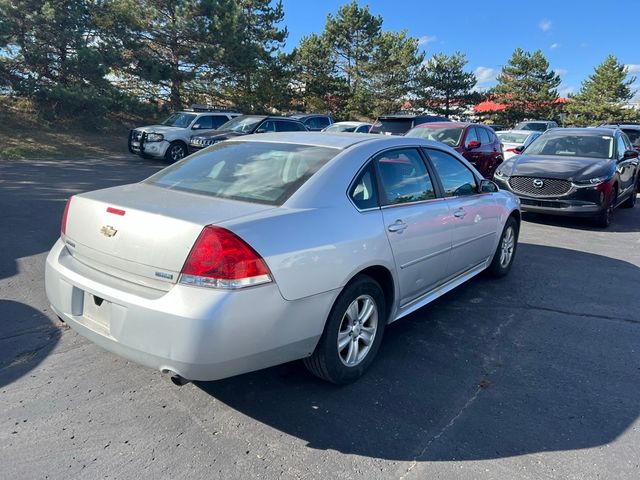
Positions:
(352, 334)
(506, 251)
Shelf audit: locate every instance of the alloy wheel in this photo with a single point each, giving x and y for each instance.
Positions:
(357, 330)
(507, 247)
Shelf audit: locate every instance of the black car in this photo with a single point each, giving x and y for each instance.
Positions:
(314, 122)
(401, 123)
(574, 171)
(244, 125)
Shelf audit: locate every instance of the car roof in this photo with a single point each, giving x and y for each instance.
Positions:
(631, 126)
(450, 124)
(307, 115)
(337, 140)
(583, 131)
(537, 121)
(352, 123)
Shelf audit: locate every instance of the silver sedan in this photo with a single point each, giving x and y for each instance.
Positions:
(270, 248)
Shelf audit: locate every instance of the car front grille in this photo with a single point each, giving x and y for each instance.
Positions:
(200, 142)
(539, 187)
(135, 135)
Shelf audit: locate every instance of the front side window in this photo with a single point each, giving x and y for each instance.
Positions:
(622, 147)
(404, 177)
(634, 135)
(259, 172)
(204, 122)
(267, 126)
(485, 139)
(457, 180)
(284, 126)
(471, 136)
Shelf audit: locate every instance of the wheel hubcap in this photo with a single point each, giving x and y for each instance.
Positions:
(357, 330)
(177, 153)
(508, 244)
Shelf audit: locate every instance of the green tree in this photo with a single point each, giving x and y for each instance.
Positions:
(603, 96)
(60, 53)
(443, 85)
(527, 87)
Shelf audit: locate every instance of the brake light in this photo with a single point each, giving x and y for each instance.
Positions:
(221, 259)
(512, 150)
(63, 224)
(115, 211)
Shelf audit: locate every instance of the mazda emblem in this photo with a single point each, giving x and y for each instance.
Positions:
(538, 183)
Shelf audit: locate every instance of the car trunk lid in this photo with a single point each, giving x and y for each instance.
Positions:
(143, 233)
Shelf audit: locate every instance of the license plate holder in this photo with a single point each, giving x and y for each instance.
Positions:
(97, 312)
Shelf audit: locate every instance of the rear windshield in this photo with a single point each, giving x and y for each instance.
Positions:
(392, 126)
(448, 136)
(180, 120)
(259, 172)
(512, 137)
(593, 146)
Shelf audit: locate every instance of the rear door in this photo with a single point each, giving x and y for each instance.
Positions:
(474, 215)
(417, 222)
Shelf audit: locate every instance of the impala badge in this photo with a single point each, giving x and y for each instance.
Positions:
(538, 183)
(108, 231)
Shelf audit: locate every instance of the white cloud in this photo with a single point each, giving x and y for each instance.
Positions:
(553, 46)
(565, 90)
(561, 71)
(632, 68)
(544, 25)
(426, 39)
(485, 74)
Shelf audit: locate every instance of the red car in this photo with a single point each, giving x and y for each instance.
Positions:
(477, 143)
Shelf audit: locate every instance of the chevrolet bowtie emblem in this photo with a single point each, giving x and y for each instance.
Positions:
(108, 231)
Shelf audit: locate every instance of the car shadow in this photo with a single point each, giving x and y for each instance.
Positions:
(26, 338)
(621, 221)
(544, 359)
(33, 195)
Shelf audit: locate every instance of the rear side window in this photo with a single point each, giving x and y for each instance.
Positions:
(404, 177)
(284, 126)
(259, 172)
(634, 135)
(457, 180)
(364, 191)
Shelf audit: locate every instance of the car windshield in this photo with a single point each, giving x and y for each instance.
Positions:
(448, 136)
(336, 127)
(259, 172)
(180, 120)
(634, 135)
(392, 126)
(535, 126)
(573, 145)
(242, 124)
(512, 137)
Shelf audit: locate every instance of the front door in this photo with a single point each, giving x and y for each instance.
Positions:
(474, 216)
(418, 224)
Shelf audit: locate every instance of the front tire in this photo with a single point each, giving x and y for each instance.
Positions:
(603, 220)
(631, 201)
(352, 334)
(506, 251)
(176, 151)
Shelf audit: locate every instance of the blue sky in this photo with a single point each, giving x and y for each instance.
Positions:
(575, 36)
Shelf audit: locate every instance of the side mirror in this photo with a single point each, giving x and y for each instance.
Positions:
(487, 186)
(519, 148)
(261, 130)
(473, 144)
(630, 154)
(196, 127)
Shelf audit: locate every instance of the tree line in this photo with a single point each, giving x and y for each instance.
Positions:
(80, 57)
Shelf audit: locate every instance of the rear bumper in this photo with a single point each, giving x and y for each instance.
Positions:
(199, 333)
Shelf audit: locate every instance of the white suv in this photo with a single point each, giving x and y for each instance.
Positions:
(169, 140)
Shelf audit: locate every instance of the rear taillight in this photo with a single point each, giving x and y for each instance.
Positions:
(63, 224)
(512, 150)
(221, 259)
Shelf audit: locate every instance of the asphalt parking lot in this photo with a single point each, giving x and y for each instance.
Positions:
(536, 375)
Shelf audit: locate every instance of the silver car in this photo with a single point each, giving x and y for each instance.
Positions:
(269, 248)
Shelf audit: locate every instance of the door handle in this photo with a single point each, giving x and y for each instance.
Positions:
(460, 213)
(398, 227)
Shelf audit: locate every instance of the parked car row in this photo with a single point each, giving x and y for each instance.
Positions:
(187, 131)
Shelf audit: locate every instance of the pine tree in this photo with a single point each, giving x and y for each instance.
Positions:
(527, 87)
(602, 97)
(443, 85)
